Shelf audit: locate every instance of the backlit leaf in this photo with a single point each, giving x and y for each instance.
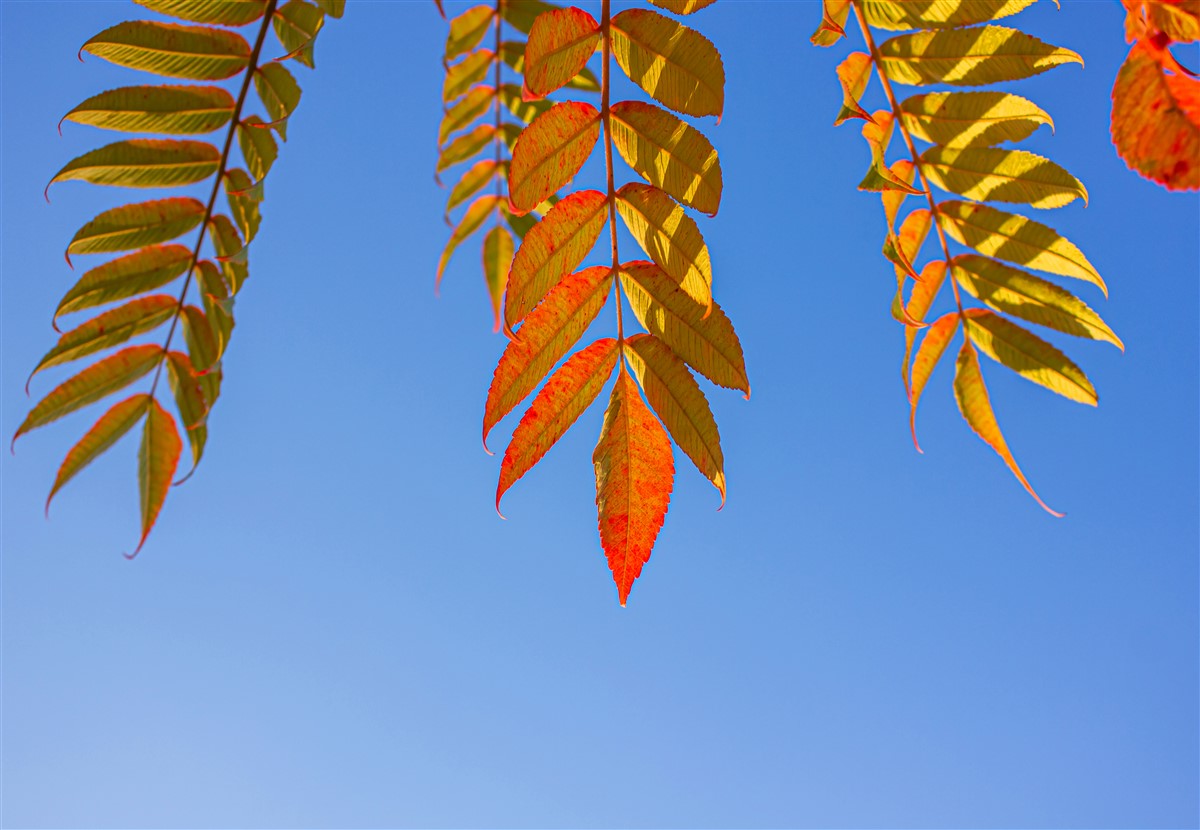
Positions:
(879, 178)
(258, 147)
(550, 331)
(937, 14)
(707, 343)
(513, 54)
(333, 8)
(669, 237)
(196, 52)
(971, 119)
(969, 57)
(682, 6)
(924, 292)
(466, 73)
(202, 343)
(472, 220)
(466, 146)
(1030, 298)
(126, 276)
(553, 248)
(1156, 120)
(914, 230)
(521, 14)
(568, 393)
(110, 329)
(95, 382)
(497, 259)
(1028, 355)
(560, 43)
(157, 460)
(472, 105)
(550, 152)
(189, 399)
(976, 408)
(635, 474)
(143, 162)
(280, 94)
(525, 110)
(933, 346)
(221, 12)
(478, 177)
(297, 24)
(668, 153)
(989, 174)
(1016, 239)
(903, 170)
(676, 398)
(175, 110)
(675, 65)
(467, 30)
(230, 251)
(854, 73)
(833, 21)
(109, 429)
(243, 202)
(133, 226)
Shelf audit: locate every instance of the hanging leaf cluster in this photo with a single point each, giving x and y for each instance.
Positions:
(950, 49)
(150, 322)
(483, 117)
(551, 299)
(1156, 99)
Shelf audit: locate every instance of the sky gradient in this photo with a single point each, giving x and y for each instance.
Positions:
(331, 627)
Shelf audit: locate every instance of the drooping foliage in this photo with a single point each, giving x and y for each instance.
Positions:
(156, 282)
(483, 116)
(1156, 99)
(547, 299)
(942, 48)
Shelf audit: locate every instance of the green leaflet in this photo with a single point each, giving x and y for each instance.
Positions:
(174, 110)
(221, 12)
(199, 53)
(258, 146)
(280, 94)
(969, 57)
(297, 24)
(126, 276)
(110, 329)
(244, 199)
(971, 119)
(466, 73)
(112, 425)
(133, 226)
(144, 163)
(99, 380)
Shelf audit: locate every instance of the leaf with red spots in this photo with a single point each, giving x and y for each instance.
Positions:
(560, 43)
(550, 152)
(635, 474)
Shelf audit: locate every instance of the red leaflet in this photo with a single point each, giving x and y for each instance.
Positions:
(549, 333)
(550, 152)
(635, 473)
(568, 393)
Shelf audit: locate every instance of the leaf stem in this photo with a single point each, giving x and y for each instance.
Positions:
(251, 68)
(606, 118)
(898, 123)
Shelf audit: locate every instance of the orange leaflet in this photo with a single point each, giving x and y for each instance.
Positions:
(560, 43)
(549, 333)
(1156, 119)
(553, 248)
(635, 473)
(937, 338)
(550, 152)
(568, 393)
(107, 431)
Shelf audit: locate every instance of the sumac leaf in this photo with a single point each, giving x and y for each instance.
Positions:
(550, 152)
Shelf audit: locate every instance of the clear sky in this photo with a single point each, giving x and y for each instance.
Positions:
(331, 627)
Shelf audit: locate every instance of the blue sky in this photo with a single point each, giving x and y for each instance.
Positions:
(330, 625)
